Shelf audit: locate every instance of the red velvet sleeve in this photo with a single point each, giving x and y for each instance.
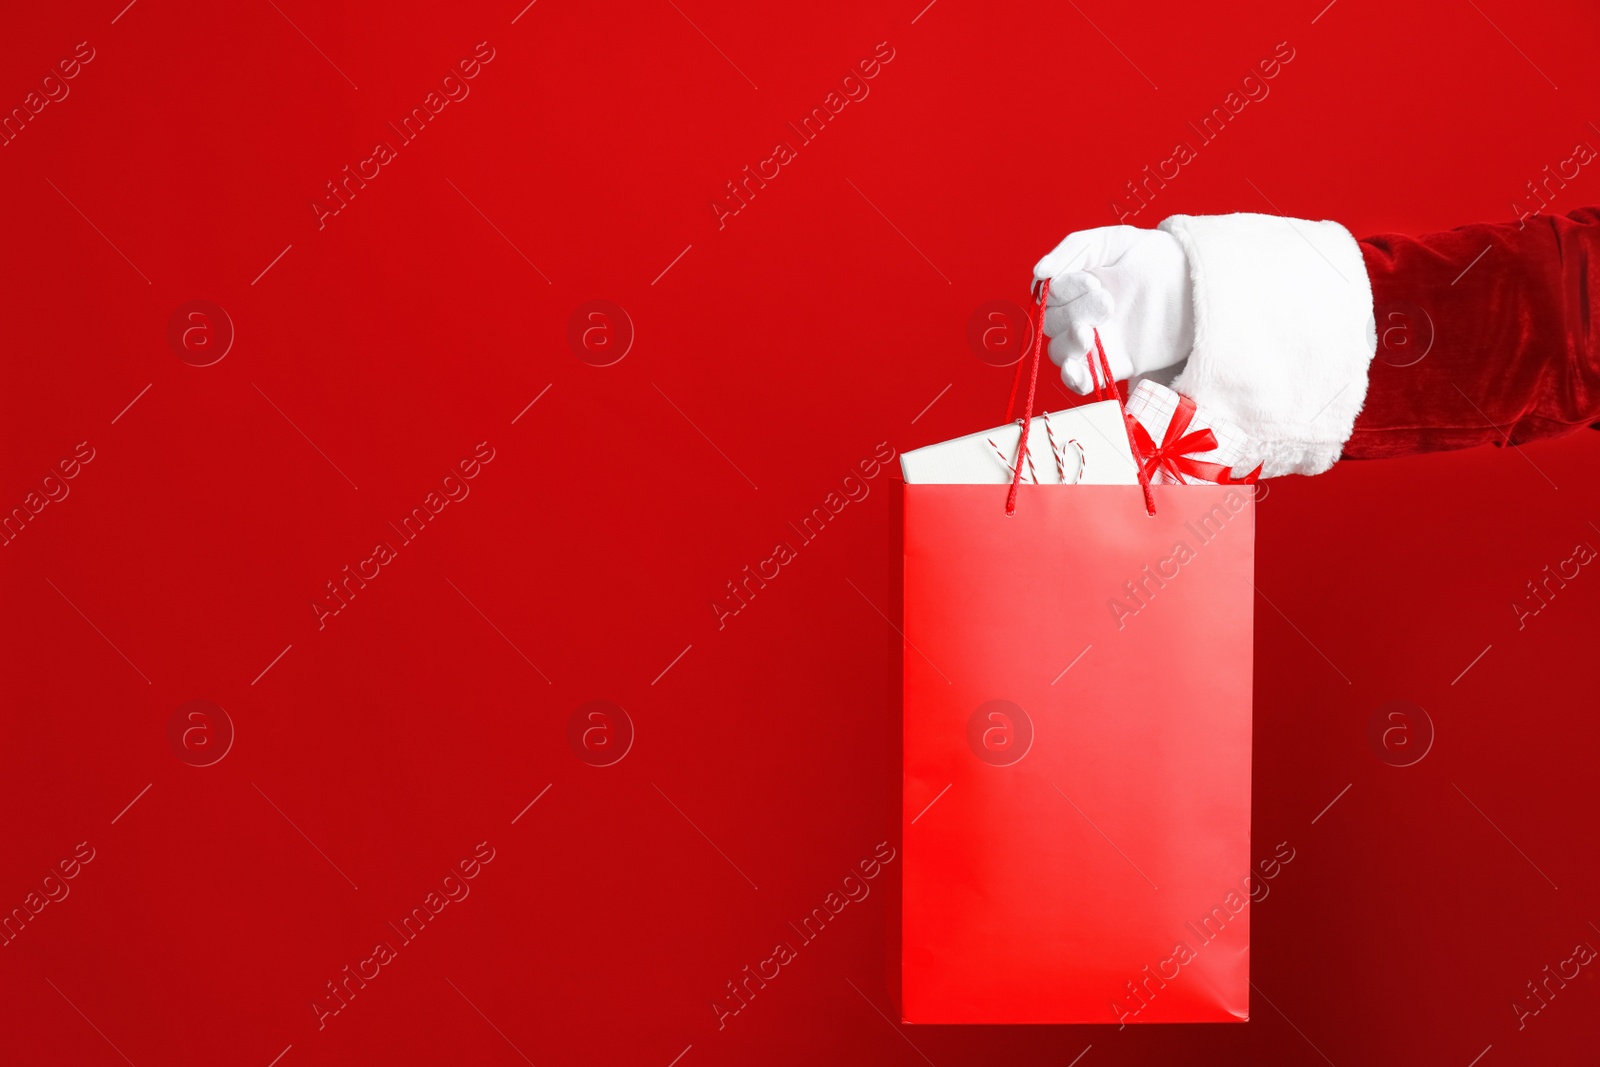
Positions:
(1484, 335)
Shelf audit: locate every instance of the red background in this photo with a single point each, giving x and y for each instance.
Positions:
(820, 321)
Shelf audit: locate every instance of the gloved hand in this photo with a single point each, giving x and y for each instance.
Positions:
(1129, 283)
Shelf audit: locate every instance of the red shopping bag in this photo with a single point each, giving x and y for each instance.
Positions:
(1076, 788)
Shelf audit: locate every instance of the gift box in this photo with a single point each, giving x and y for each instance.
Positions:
(1086, 445)
(1180, 443)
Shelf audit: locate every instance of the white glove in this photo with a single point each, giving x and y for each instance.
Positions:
(1130, 284)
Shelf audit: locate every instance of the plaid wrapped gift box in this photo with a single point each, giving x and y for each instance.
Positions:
(1180, 443)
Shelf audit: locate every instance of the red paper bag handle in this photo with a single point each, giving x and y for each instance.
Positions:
(1102, 391)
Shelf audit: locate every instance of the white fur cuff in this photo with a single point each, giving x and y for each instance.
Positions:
(1283, 332)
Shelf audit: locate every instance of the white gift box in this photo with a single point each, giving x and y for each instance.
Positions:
(1155, 405)
(1085, 445)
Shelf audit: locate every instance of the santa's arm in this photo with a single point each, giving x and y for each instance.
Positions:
(1484, 334)
(1481, 334)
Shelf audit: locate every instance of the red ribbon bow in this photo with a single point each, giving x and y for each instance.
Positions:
(1173, 454)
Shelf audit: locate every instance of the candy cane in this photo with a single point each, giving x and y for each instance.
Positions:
(1083, 460)
(1059, 451)
(1006, 463)
(1055, 449)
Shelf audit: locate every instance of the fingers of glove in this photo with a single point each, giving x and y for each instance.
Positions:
(1082, 300)
(1087, 248)
(1078, 318)
(1076, 338)
(1073, 285)
(1071, 344)
(1073, 350)
(1070, 254)
(1075, 374)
